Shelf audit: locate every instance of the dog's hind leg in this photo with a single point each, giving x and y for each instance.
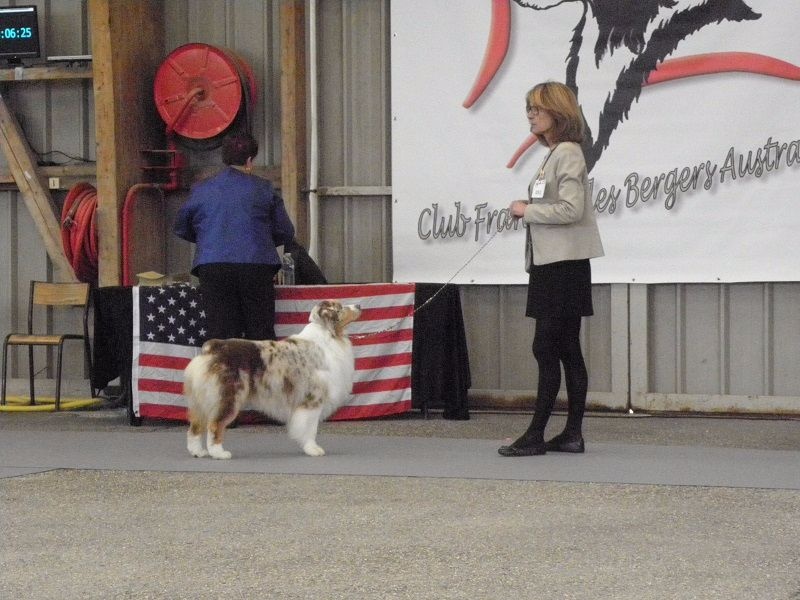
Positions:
(216, 431)
(302, 428)
(194, 437)
(197, 421)
(228, 409)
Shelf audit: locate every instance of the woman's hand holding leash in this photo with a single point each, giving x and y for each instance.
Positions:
(517, 208)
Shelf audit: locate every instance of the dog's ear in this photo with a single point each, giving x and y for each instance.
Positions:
(313, 316)
(329, 311)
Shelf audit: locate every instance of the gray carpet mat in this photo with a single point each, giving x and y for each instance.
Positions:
(24, 452)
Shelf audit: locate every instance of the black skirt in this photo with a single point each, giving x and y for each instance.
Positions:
(560, 289)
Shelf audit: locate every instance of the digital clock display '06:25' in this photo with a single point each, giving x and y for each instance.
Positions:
(16, 33)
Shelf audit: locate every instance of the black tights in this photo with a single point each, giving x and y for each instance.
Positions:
(557, 342)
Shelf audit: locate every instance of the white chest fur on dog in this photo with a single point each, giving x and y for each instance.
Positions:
(299, 381)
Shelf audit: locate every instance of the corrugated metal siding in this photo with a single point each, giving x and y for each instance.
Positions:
(354, 138)
(718, 347)
(56, 117)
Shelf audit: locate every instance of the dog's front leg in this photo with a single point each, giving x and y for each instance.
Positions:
(302, 428)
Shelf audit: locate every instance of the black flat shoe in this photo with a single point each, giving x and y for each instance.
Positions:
(532, 450)
(566, 443)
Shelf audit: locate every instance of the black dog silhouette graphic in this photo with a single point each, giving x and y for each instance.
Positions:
(626, 43)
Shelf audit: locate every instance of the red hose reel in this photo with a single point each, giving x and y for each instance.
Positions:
(200, 92)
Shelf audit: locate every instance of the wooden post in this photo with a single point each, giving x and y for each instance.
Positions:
(25, 170)
(293, 114)
(127, 47)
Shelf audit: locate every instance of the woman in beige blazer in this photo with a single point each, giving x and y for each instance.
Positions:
(561, 237)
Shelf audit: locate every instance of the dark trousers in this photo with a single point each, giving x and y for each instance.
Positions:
(557, 342)
(239, 300)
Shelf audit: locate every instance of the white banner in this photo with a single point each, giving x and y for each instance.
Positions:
(695, 172)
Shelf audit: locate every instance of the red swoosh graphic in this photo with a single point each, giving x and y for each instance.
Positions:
(496, 48)
(722, 62)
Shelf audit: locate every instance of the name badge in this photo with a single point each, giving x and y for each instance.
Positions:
(537, 191)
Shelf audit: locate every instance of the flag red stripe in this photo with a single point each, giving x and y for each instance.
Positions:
(164, 362)
(385, 337)
(159, 385)
(163, 411)
(387, 360)
(367, 314)
(329, 292)
(381, 385)
(371, 411)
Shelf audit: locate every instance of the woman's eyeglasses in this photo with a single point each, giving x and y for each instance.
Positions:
(532, 110)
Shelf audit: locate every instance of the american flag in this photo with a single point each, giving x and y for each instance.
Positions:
(169, 329)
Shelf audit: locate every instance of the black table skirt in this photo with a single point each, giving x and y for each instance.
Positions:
(440, 375)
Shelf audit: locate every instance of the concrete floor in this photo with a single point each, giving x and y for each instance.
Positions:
(122, 512)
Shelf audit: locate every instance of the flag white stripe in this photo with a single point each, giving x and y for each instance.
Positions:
(387, 301)
(357, 328)
(160, 397)
(382, 373)
(382, 349)
(380, 325)
(374, 398)
(170, 350)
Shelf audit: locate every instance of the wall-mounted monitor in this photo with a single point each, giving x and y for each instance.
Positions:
(19, 33)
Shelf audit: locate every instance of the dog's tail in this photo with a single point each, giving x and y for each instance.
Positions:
(194, 384)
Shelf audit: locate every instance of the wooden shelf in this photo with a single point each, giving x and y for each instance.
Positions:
(81, 70)
(68, 175)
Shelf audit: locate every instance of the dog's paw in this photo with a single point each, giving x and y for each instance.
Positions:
(312, 449)
(219, 452)
(195, 447)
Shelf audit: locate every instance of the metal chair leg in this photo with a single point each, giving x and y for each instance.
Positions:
(88, 359)
(30, 374)
(58, 376)
(5, 371)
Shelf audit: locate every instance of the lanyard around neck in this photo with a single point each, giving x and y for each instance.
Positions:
(546, 158)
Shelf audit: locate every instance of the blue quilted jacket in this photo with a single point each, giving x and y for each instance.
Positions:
(234, 217)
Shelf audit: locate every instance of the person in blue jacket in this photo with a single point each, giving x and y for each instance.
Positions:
(236, 220)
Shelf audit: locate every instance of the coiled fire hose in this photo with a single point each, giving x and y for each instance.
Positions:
(79, 231)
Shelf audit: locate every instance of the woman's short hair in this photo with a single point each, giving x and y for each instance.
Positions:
(238, 147)
(562, 105)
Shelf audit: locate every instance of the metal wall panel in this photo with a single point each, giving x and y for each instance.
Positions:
(354, 138)
(718, 347)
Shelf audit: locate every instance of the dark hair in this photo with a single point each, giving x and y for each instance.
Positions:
(238, 147)
(560, 101)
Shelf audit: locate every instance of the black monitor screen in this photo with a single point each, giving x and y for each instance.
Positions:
(19, 33)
